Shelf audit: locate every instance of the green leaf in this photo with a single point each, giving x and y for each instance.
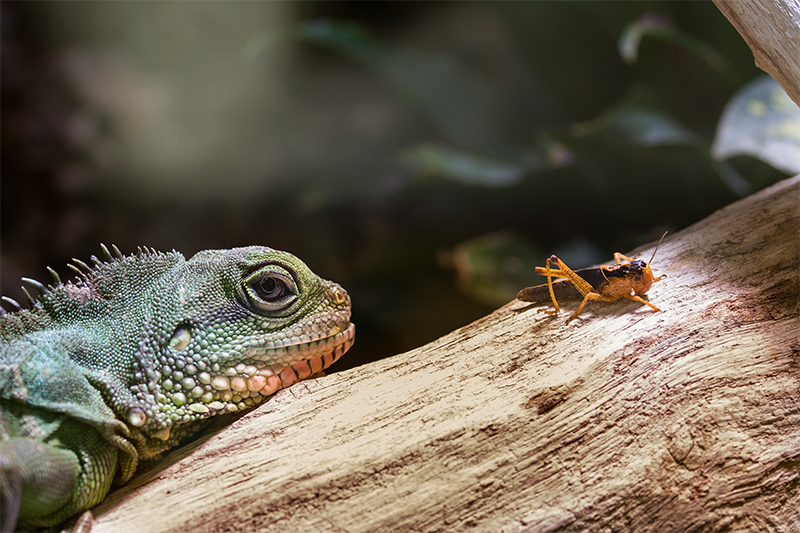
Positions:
(650, 25)
(637, 121)
(430, 160)
(763, 122)
(492, 268)
(436, 161)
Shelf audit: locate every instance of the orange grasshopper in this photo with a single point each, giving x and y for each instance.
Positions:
(604, 283)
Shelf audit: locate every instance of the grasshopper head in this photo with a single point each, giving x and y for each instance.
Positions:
(647, 278)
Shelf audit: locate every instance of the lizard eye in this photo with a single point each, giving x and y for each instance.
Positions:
(270, 291)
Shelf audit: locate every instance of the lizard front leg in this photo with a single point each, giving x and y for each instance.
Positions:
(36, 479)
(50, 481)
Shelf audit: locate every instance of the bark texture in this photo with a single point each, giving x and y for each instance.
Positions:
(623, 420)
(772, 30)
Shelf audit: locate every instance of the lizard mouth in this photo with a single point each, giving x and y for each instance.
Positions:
(287, 364)
(314, 357)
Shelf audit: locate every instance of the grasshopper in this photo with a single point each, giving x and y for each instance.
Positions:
(630, 279)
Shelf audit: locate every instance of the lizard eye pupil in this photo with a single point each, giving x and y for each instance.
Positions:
(270, 289)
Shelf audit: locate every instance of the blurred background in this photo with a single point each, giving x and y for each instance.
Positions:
(425, 155)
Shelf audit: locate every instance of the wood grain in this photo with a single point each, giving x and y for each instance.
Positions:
(623, 420)
(772, 30)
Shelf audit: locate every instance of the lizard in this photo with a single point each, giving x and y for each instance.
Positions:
(136, 353)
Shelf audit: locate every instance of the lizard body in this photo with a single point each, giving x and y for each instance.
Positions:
(137, 353)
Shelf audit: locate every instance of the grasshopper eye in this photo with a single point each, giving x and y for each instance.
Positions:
(270, 290)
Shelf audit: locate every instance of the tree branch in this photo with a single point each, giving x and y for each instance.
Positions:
(625, 419)
(772, 30)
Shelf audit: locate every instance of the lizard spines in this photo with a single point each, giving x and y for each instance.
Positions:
(35, 284)
(12, 301)
(56, 277)
(106, 252)
(144, 252)
(82, 265)
(31, 299)
(87, 277)
(78, 271)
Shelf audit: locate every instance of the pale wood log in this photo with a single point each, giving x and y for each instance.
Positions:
(623, 420)
(772, 30)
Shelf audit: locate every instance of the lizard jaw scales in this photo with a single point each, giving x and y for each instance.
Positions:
(307, 366)
(250, 383)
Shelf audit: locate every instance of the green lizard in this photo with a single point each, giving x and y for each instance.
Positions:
(136, 354)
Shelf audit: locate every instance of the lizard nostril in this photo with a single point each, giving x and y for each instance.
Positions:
(339, 296)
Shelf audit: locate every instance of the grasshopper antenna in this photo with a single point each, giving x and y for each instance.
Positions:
(657, 245)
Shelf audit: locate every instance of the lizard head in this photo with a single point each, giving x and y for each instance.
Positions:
(231, 328)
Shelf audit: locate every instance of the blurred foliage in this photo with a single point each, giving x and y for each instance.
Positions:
(424, 155)
(652, 25)
(636, 121)
(493, 266)
(763, 122)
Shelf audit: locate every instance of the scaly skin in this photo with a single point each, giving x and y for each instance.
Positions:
(131, 358)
